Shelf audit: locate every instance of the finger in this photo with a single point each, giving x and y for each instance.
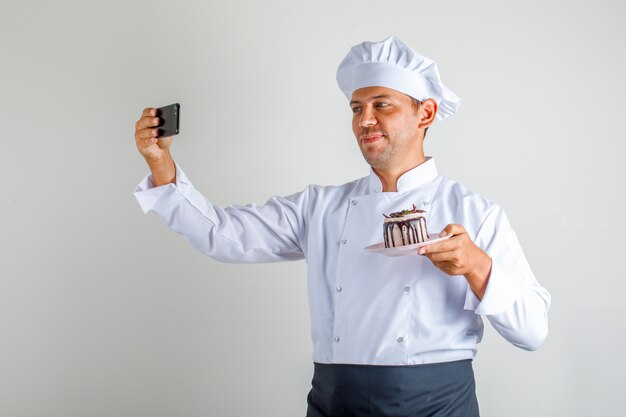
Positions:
(452, 229)
(446, 267)
(144, 143)
(441, 257)
(147, 133)
(440, 264)
(445, 246)
(147, 121)
(148, 111)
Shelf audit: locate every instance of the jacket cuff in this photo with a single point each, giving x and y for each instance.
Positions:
(147, 194)
(502, 291)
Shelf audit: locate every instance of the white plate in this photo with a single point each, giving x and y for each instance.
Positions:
(404, 250)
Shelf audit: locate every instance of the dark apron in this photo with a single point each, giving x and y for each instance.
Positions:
(430, 390)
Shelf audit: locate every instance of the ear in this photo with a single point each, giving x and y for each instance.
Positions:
(427, 113)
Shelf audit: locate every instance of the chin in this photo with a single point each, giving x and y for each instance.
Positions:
(374, 162)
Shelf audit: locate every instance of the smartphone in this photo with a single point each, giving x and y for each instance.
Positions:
(169, 118)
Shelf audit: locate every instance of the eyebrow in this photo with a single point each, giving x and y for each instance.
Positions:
(373, 98)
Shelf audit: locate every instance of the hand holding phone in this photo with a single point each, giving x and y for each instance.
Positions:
(149, 127)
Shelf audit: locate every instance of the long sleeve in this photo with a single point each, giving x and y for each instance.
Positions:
(514, 302)
(269, 233)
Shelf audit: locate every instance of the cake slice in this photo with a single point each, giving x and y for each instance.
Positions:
(405, 227)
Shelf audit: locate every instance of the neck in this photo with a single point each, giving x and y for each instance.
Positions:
(389, 176)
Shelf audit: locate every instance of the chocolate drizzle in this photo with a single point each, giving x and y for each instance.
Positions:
(410, 231)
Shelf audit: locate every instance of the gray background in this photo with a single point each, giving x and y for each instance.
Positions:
(104, 312)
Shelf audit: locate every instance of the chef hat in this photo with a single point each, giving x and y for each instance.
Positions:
(393, 64)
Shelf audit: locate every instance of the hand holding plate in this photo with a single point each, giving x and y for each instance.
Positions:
(459, 255)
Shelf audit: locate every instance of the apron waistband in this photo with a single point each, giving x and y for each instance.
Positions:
(436, 389)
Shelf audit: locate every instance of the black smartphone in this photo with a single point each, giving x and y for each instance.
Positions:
(169, 119)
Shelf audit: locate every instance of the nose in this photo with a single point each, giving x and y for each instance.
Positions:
(367, 117)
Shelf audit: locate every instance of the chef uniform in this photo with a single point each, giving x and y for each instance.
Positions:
(391, 335)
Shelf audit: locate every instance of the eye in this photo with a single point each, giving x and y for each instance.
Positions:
(382, 104)
(356, 109)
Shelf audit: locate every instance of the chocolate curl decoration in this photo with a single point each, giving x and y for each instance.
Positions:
(404, 212)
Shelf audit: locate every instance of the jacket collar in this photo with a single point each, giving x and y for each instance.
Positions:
(413, 178)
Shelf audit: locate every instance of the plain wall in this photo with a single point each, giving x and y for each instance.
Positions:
(105, 312)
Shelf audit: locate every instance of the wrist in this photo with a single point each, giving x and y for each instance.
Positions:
(158, 160)
(163, 169)
(478, 277)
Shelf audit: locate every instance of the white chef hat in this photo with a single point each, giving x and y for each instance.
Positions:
(393, 64)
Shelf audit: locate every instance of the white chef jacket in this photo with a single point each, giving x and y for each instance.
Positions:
(367, 308)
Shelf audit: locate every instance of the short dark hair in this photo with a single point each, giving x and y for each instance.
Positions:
(416, 105)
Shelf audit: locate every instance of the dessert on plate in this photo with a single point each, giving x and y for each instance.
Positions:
(406, 227)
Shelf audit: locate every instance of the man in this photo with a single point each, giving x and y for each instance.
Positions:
(391, 335)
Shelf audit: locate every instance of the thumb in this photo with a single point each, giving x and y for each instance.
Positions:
(452, 229)
(448, 230)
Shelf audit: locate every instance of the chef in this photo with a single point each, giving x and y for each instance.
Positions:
(392, 335)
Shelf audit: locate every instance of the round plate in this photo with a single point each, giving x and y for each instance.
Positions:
(405, 250)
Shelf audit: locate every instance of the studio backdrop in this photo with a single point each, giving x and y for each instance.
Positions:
(105, 312)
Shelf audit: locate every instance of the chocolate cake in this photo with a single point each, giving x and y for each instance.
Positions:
(405, 227)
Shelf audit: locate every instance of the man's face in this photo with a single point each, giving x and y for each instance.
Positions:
(385, 124)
